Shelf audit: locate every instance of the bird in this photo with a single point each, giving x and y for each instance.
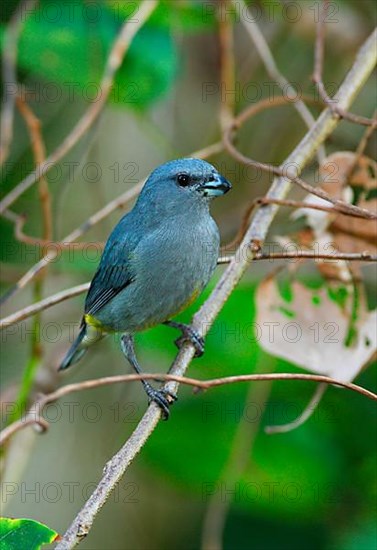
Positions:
(156, 262)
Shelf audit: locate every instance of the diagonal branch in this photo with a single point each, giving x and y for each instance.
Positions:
(257, 232)
(318, 70)
(260, 43)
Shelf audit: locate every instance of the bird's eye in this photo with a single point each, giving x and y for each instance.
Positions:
(183, 180)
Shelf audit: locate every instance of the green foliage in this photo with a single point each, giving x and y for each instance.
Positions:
(298, 477)
(284, 283)
(20, 534)
(68, 45)
(338, 294)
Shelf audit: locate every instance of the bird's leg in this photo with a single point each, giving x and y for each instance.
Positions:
(188, 335)
(163, 398)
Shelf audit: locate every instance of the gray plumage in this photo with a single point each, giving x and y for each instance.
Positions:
(159, 257)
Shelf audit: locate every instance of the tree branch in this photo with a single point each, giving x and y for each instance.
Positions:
(115, 468)
(227, 64)
(260, 43)
(288, 171)
(304, 416)
(35, 413)
(318, 69)
(37, 144)
(59, 297)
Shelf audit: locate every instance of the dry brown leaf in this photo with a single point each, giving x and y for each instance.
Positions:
(364, 179)
(311, 329)
(343, 175)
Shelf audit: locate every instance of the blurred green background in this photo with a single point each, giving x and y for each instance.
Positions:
(314, 487)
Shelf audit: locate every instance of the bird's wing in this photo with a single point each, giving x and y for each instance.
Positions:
(115, 271)
(106, 284)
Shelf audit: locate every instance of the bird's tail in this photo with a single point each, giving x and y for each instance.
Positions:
(76, 351)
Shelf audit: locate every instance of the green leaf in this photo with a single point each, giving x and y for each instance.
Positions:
(338, 294)
(284, 283)
(145, 74)
(68, 46)
(19, 534)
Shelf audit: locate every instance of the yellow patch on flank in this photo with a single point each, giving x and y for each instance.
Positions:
(93, 322)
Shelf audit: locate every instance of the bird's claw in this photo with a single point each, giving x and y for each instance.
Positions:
(190, 335)
(163, 398)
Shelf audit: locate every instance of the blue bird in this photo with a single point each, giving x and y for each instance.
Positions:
(156, 262)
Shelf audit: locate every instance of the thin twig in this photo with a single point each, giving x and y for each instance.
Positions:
(114, 61)
(37, 408)
(289, 172)
(364, 140)
(304, 255)
(260, 43)
(39, 150)
(19, 234)
(43, 304)
(59, 297)
(301, 155)
(10, 52)
(227, 65)
(304, 416)
(36, 352)
(318, 70)
(286, 202)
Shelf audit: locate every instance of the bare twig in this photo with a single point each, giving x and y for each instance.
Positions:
(39, 153)
(260, 43)
(364, 140)
(39, 150)
(286, 202)
(59, 297)
(19, 222)
(10, 51)
(304, 416)
(305, 255)
(114, 61)
(318, 69)
(42, 305)
(289, 172)
(301, 155)
(227, 66)
(37, 408)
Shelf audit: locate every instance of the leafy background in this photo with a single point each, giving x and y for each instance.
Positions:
(315, 486)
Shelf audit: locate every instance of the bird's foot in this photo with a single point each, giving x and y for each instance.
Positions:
(190, 335)
(163, 398)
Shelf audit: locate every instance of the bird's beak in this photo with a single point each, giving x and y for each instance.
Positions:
(218, 186)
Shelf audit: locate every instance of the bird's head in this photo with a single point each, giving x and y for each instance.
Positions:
(185, 181)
